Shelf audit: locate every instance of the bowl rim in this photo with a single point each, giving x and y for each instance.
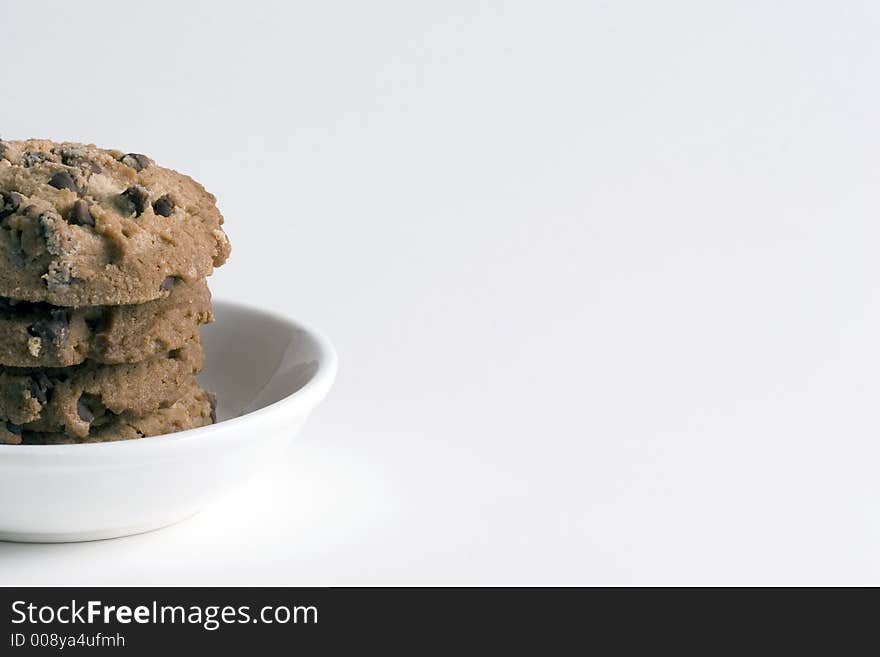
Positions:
(308, 396)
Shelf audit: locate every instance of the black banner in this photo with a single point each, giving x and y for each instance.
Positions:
(545, 621)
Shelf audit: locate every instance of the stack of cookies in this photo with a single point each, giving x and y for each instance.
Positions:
(103, 261)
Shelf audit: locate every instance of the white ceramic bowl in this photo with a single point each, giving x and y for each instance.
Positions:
(268, 373)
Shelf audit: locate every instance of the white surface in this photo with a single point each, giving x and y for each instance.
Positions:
(65, 493)
(603, 279)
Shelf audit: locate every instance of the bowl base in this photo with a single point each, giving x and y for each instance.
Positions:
(96, 535)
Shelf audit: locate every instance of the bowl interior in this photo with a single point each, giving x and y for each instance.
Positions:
(255, 358)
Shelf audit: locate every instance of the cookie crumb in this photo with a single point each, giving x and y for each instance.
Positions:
(35, 346)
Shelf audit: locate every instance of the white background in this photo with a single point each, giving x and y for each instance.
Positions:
(603, 278)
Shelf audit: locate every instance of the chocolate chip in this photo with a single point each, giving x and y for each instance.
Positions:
(44, 221)
(168, 283)
(32, 158)
(62, 180)
(163, 206)
(136, 161)
(55, 329)
(40, 387)
(9, 203)
(13, 428)
(213, 400)
(76, 159)
(82, 409)
(137, 197)
(80, 215)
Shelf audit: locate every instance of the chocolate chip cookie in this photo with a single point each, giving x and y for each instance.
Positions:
(40, 335)
(84, 226)
(194, 409)
(71, 400)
